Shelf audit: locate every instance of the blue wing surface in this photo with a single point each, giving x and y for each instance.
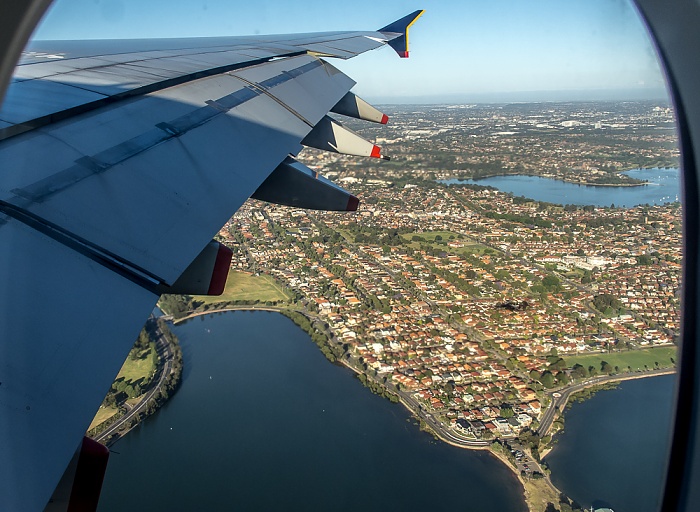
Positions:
(120, 161)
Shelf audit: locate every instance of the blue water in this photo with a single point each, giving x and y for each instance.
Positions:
(664, 187)
(614, 446)
(264, 422)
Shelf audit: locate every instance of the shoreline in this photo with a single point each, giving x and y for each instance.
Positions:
(195, 314)
(532, 489)
(563, 180)
(561, 407)
(170, 363)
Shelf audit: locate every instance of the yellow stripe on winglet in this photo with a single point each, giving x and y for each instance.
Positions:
(400, 43)
(409, 26)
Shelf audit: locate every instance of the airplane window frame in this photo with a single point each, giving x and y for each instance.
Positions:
(672, 30)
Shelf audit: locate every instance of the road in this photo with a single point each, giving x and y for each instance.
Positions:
(164, 354)
(559, 402)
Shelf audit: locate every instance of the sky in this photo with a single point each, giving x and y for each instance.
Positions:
(461, 50)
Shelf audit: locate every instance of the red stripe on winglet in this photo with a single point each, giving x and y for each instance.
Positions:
(385, 119)
(405, 55)
(353, 203)
(376, 152)
(220, 272)
(87, 484)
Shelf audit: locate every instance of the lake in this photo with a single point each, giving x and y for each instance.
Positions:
(663, 187)
(264, 422)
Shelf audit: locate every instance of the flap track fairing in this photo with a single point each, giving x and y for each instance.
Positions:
(330, 135)
(294, 184)
(353, 106)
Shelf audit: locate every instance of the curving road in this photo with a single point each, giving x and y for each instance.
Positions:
(164, 354)
(560, 398)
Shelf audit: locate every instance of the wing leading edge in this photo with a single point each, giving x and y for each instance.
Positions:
(119, 167)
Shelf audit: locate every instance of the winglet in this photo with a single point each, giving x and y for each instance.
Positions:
(400, 44)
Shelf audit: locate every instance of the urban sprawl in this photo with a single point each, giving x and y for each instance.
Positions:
(468, 299)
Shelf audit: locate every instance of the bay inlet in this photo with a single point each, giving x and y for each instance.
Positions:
(613, 450)
(262, 421)
(663, 187)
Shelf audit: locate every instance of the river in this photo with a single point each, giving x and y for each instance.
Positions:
(663, 187)
(264, 422)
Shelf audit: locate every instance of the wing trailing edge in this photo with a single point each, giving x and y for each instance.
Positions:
(206, 275)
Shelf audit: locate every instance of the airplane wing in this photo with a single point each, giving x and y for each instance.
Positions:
(120, 161)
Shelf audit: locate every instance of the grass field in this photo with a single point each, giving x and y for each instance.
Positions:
(140, 368)
(103, 414)
(245, 286)
(633, 358)
(429, 236)
(470, 246)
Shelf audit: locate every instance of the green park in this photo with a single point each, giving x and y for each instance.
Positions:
(244, 286)
(642, 359)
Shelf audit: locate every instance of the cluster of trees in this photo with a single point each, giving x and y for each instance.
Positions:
(320, 339)
(549, 379)
(121, 390)
(531, 439)
(520, 219)
(178, 306)
(599, 222)
(377, 388)
(607, 304)
(565, 505)
(174, 379)
(374, 235)
(580, 372)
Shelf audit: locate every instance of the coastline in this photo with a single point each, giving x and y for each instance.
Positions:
(564, 180)
(169, 378)
(536, 492)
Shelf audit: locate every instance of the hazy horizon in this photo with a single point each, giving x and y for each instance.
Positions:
(464, 51)
(551, 96)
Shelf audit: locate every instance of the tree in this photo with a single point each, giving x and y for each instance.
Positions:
(550, 282)
(547, 379)
(558, 364)
(579, 371)
(507, 412)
